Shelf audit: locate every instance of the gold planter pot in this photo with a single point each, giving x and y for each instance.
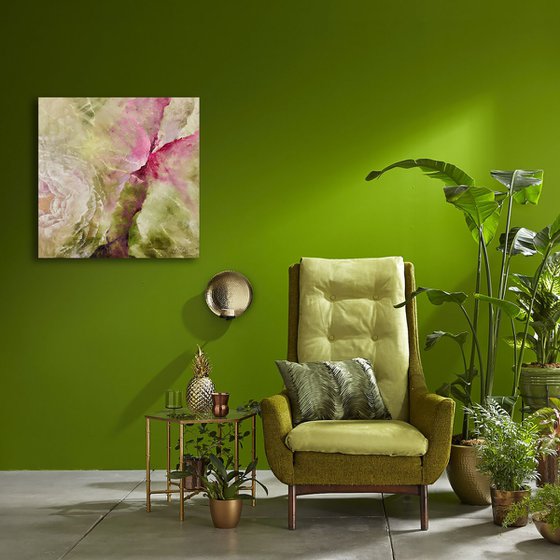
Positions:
(225, 513)
(546, 531)
(471, 486)
(502, 500)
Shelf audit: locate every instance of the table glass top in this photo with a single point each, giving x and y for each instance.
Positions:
(185, 415)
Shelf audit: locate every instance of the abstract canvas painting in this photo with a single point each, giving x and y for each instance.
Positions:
(119, 177)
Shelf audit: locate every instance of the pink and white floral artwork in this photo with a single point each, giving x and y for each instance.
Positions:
(118, 177)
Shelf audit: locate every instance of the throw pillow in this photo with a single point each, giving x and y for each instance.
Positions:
(333, 390)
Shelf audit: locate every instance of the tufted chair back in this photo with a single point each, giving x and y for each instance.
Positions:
(343, 309)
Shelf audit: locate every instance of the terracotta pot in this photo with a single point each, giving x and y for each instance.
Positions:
(538, 383)
(551, 535)
(502, 500)
(225, 513)
(471, 486)
(548, 470)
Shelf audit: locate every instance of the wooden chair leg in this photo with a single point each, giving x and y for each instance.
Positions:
(424, 516)
(291, 507)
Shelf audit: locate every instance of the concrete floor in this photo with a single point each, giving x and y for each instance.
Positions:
(78, 515)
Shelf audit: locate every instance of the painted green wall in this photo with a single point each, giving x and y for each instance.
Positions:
(299, 101)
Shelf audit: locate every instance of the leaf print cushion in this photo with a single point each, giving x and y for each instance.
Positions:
(333, 390)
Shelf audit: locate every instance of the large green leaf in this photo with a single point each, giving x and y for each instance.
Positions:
(434, 169)
(525, 184)
(437, 297)
(508, 307)
(548, 237)
(434, 337)
(520, 241)
(477, 202)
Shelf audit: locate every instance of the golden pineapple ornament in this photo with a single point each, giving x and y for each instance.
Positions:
(200, 387)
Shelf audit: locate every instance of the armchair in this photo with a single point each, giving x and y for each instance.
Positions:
(354, 298)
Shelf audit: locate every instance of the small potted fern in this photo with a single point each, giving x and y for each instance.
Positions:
(507, 452)
(545, 512)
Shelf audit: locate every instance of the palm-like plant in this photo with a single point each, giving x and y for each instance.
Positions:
(482, 208)
(544, 317)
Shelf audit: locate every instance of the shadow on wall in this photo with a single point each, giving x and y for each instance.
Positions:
(203, 325)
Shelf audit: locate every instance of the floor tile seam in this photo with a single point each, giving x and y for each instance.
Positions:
(99, 520)
(388, 524)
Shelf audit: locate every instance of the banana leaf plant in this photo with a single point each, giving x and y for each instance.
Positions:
(482, 208)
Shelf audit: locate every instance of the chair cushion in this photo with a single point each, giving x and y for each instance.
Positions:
(332, 390)
(346, 310)
(358, 437)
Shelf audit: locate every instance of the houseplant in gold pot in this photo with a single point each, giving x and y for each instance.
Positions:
(483, 209)
(507, 452)
(545, 512)
(222, 486)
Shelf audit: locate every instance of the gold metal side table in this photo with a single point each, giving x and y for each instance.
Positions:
(184, 417)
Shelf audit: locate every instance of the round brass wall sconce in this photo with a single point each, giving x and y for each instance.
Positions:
(229, 294)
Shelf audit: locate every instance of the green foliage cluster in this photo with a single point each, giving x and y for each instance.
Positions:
(545, 314)
(219, 483)
(482, 209)
(507, 450)
(544, 505)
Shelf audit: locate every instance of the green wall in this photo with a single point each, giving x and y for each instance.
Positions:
(299, 101)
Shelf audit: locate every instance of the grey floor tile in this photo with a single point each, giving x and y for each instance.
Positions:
(44, 513)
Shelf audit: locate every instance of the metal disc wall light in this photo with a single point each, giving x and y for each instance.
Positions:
(229, 294)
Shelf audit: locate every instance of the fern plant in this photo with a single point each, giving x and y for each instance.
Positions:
(544, 505)
(507, 449)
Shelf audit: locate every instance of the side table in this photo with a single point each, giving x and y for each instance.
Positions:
(184, 417)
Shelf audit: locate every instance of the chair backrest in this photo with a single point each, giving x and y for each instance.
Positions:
(343, 308)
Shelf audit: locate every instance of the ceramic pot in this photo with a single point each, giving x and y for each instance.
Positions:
(551, 535)
(536, 384)
(225, 513)
(502, 500)
(220, 406)
(471, 486)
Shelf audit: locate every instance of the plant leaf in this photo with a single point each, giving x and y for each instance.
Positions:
(508, 307)
(548, 237)
(479, 203)
(525, 184)
(435, 336)
(434, 169)
(520, 241)
(437, 297)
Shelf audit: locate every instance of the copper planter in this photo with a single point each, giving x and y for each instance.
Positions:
(551, 535)
(225, 513)
(548, 470)
(502, 500)
(220, 406)
(471, 486)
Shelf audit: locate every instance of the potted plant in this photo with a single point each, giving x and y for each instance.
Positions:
(482, 208)
(548, 444)
(545, 512)
(206, 441)
(507, 453)
(222, 487)
(540, 379)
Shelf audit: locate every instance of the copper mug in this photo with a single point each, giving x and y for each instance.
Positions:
(220, 406)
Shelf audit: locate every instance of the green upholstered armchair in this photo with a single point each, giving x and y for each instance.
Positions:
(341, 309)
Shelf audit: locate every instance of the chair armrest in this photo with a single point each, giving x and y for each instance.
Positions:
(433, 416)
(277, 423)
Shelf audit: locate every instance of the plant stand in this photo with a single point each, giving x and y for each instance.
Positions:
(182, 418)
